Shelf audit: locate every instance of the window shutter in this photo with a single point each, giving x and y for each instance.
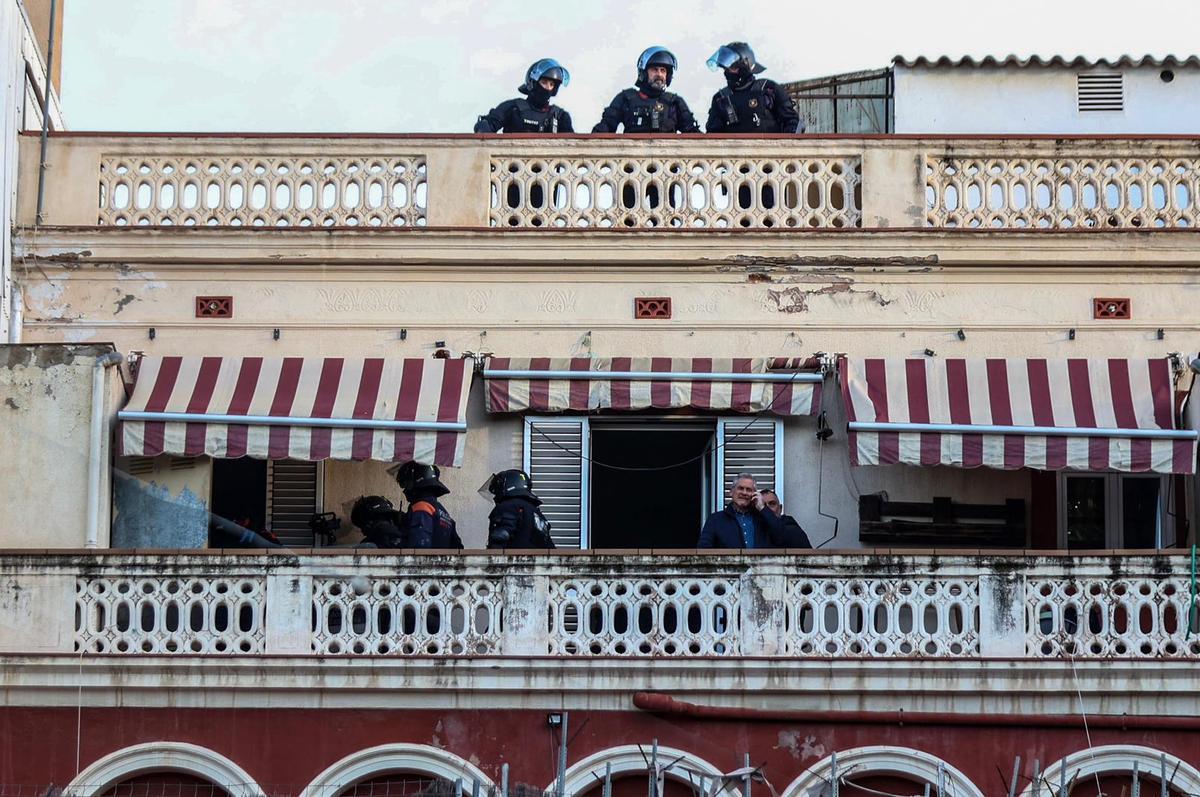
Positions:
(750, 445)
(556, 454)
(293, 495)
(1100, 92)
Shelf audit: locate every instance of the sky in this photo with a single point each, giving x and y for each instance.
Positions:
(432, 67)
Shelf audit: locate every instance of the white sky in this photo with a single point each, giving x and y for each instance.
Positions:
(401, 66)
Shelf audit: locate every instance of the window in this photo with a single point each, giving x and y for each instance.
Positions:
(1114, 510)
(641, 482)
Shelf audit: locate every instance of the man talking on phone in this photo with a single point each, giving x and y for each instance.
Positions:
(745, 522)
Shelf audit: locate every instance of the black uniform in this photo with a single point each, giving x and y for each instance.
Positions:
(761, 106)
(379, 521)
(520, 115)
(428, 525)
(517, 522)
(642, 111)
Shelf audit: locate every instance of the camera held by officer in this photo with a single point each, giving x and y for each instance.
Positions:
(427, 524)
(516, 521)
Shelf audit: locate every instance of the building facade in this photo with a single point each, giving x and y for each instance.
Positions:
(963, 363)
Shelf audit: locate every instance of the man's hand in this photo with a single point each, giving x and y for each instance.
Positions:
(758, 502)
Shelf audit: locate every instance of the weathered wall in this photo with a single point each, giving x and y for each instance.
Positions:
(167, 508)
(45, 422)
(1040, 100)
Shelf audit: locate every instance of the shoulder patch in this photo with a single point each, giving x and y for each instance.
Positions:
(424, 506)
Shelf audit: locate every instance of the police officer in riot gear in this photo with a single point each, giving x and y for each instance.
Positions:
(748, 104)
(378, 520)
(516, 521)
(532, 113)
(649, 107)
(427, 524)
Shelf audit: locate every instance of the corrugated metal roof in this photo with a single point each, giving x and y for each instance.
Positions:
(1077, 62)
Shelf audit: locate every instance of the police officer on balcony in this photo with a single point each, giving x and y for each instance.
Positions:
(427, 524)
(649, 107)
(532, 113)
(748, 104)
(516, 521)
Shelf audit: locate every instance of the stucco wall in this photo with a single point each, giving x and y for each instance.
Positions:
(45, 422)
(166, 508)
(1040, 100)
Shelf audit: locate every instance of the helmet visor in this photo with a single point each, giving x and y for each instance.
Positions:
(723, 58)
(657, 56)
(548, 67)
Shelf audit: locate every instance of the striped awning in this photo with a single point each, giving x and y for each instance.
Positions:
(1094, 415)
(544, 384)
(306, 408)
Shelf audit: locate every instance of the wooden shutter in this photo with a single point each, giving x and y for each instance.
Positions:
(556, 458)
(750, 445)
(293, 495)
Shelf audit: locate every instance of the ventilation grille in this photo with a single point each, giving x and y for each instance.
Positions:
(1101, 92)
(140, 466)
(291, 500)
(555, 464)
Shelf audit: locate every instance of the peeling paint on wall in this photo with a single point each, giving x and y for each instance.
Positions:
(148, 516)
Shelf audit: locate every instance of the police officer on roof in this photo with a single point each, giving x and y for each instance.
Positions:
(748, 104)
(516, 521)
(650, 108)
(532, 113)
(427, 524)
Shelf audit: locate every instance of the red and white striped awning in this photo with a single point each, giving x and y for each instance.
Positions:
(298, 408)
(544, 384)
(1094, 415)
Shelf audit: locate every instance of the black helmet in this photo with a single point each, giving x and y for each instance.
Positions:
(511, 483)
(546, 67)
(417, 478)
(737, 57)
(656, 56)
(371, 509)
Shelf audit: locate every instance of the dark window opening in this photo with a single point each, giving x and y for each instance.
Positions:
(239, 491)
(644, 509)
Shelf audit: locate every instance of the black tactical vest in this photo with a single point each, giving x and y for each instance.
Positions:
(650, 114)
(525, 118)
(748, 110)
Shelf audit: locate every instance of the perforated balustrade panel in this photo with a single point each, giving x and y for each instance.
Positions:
(720, 192)
(884, 617)
(422, 615)
(676, 615)
(276, 190)
(1109, 618)
(170, 614)
(1121, 192)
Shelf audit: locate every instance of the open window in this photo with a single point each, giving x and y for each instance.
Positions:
(1114, 510)
(644, 482)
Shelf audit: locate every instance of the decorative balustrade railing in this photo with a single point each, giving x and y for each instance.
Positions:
(680, 182)
(816, 605)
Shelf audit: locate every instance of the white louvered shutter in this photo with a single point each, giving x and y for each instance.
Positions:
(750, 445)
(556, 458)
(293, 495)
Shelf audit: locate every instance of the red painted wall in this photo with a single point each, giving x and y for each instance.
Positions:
(285, 749)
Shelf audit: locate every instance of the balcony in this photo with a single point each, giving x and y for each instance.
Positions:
(683, 182)
(632, 605)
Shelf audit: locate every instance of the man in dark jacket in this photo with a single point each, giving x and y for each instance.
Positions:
(532, 113)
(793, 532)
(748, 104)
(516, 522)
(745, 522)
(427, 524)
(649, 107)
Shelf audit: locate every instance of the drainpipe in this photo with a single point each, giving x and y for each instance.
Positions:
(665, 705)
(16, 316)
(96, 447)
(41, 184)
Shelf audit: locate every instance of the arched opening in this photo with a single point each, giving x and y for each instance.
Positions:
(403, 784)
(638, 785)
(165, 784)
